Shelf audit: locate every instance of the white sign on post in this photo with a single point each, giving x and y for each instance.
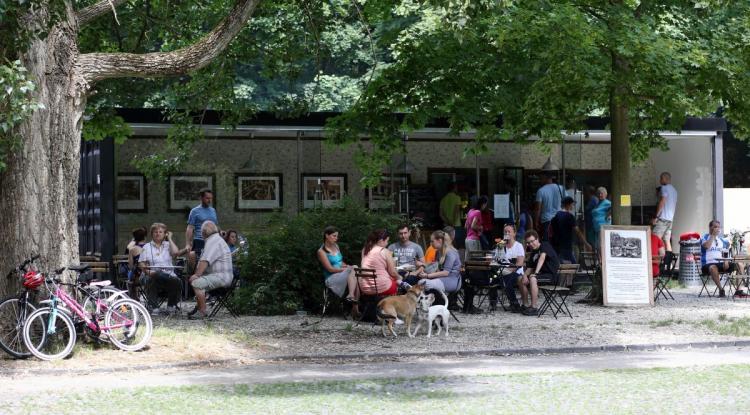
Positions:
(626, 265)
(502, 205)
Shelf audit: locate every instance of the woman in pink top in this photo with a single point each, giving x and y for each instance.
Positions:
(474, 226)
(376, 256)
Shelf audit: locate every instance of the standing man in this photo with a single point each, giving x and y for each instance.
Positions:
(665, 210)
(450, 213)
(214, 269)
(715, 254)
(564, 228)
(548, 202)
(408, 252)
(193, 236)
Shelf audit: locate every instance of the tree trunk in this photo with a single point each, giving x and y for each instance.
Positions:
(39, 187)
(620, 148)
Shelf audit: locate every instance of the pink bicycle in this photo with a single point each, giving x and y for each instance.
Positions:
(49, 333)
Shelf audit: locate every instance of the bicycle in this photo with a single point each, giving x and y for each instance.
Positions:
(49, 333)
(15, 309)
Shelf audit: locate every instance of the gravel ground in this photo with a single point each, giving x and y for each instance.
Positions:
(176, 339)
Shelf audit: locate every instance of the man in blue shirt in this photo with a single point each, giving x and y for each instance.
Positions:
(548, 201)
(198, 215)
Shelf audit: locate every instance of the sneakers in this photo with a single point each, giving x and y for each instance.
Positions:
(740, 294)
(398, 321)
(531, 311)
(406, 286)
(516, 308)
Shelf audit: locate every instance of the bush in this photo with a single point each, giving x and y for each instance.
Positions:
(281, 273)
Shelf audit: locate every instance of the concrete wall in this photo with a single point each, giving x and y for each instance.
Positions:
(225, 157)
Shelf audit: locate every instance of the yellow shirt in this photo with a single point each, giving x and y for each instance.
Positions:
(450, 206)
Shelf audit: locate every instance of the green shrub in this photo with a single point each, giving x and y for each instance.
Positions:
(281, 273)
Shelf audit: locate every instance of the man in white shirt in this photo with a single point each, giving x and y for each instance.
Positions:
(214, 269)
(513, 255)
(665, 210)
(715, 254)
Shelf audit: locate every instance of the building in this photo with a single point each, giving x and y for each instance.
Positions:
(284, 165)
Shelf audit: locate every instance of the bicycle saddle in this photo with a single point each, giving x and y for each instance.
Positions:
(100, 283)
(79, 267)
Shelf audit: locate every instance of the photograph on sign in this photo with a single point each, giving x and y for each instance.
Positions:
(626, 265)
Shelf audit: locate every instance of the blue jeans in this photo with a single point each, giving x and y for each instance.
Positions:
(510, 282)
(458, 243)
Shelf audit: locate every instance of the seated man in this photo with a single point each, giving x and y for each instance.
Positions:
(542, 267)
(214, 270)
(713, 245)
(155, 261)
(408, 252)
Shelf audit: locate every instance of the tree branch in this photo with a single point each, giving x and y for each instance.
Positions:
(97, 66)
(87, 14)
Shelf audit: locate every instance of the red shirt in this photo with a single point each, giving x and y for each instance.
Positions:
(656, 243)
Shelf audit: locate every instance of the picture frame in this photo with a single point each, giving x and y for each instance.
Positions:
(258, 192)
(132, 193)
(380, 196)
(322, 190)
(626, 265)
(183, 190)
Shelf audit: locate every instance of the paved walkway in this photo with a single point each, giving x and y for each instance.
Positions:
(18, 387)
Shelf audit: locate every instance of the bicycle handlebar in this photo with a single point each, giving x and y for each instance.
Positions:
(22, 266)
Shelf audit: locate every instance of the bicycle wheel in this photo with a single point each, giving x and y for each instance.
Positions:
(48, 338)
(128, 325)
(12, 317)
(107, 294)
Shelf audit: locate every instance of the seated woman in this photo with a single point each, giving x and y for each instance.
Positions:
(375, 256)
(230, 237)
(133, 250)
(448, 276)
(338, 276)
(159, 253)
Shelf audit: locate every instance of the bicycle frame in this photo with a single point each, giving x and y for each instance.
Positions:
(71, 304)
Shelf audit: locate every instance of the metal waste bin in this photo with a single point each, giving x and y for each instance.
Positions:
(690, 262)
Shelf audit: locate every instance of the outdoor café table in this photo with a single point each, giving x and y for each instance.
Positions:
(736, 281)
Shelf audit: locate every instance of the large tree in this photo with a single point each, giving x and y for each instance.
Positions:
(545, 66)
(40, 179)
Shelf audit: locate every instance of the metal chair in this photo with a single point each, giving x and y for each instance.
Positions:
(555, 295)
(666, 268)
(221, 298)
(368, 302)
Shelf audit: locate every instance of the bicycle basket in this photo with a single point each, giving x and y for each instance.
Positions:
(32, 280)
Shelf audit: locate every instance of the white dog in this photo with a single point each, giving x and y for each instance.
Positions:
(433, 312)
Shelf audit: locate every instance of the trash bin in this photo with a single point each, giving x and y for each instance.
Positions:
(690, 259)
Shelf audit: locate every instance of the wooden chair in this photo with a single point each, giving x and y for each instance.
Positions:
(555, 295)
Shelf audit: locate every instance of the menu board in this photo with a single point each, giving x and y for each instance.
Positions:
(626, 265)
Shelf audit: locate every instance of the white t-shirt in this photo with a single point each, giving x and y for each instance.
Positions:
(508, 254)
(712, 255)
(156, 257)
(670, 205)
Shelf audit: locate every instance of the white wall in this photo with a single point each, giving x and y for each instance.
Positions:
(736, 204)
(690, 162)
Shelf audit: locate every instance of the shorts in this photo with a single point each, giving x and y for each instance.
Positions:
(211, 282)
(720, 266)
(547, 279)
(338, 282)
(393, 290)
(198, 245)
(663, 229)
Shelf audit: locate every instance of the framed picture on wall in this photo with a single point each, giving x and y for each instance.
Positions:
(184, 190)
(322, 190)
(388, 193)
(258, 191)
(131, 193)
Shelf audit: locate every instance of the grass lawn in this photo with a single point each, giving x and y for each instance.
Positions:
(702, 390)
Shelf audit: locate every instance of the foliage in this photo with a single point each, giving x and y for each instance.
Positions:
(546, 66)
(282, 274)
(16, 104)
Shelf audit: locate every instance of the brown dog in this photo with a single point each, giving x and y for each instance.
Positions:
(403, 306)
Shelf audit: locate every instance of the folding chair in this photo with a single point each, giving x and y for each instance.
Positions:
(221, 298)
(555, 295)
(666, 268)
(368, 302)
(479, 270)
